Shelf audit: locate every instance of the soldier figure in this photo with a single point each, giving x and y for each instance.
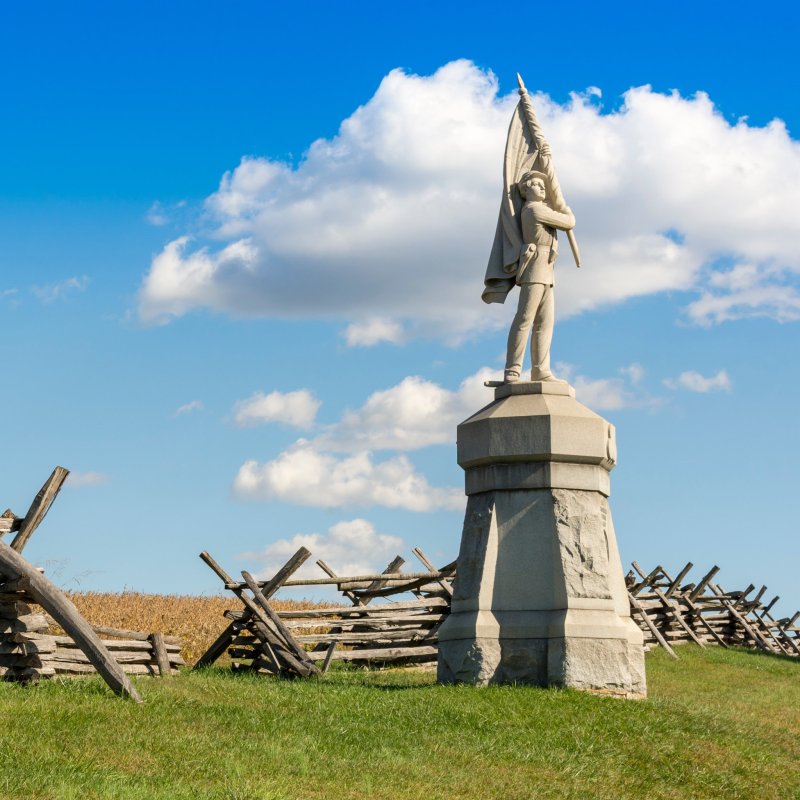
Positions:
(525, 245)
(535, 277)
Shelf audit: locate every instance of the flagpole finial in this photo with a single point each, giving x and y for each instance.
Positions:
(521, 84)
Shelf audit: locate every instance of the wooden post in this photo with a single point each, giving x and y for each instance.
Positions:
(647, 621)
(428, 565)
(39, 507)
(276, 621)
(160, 651)
(53, 600)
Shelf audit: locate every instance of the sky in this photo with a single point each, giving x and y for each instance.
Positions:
(243, 249)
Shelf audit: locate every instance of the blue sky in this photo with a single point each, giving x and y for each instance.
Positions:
(231, 354)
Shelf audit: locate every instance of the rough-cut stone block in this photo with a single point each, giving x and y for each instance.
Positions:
(539, 595)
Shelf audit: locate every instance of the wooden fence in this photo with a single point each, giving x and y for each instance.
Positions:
(672, 612)
(295, 642)
(30, 651)
(304, 642)
(28, 648)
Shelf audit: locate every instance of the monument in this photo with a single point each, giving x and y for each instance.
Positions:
(539, 594)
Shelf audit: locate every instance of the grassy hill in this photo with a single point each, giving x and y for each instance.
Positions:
(717, 724)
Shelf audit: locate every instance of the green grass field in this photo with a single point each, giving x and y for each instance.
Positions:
(718, 724)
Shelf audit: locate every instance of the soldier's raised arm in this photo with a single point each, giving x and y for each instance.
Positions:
(564, 221)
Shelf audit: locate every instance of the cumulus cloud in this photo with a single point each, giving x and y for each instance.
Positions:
(298, 409)
(50, 292)
(306, 475)
(188, 408)
(350, 547)
(746, 291)
(633, 372)
(80, 480)
(157, 214)
(373, 331)
(413, 414)
(393, 217)
(695, 382)
(609, 394)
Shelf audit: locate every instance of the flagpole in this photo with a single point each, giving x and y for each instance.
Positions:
(547, 163)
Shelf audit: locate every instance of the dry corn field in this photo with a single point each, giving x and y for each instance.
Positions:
(197, 620)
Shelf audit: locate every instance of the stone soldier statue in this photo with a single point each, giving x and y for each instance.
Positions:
(526, 243)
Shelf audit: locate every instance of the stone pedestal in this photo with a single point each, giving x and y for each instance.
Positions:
(539, 593)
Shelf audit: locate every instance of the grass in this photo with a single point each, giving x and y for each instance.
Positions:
(717, 724)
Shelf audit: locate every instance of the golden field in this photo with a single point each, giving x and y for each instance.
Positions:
(196, 619)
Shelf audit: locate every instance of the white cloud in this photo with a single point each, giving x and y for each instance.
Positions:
(747, 291)
(393, 217)
(50, 292)
(695, 382)
(7, 292)
(84, 479)
(413, 414)
(157, 214)
(351, 547)
(634, 373)
(608, 394)
(188, 408)
(292, 408)
(373, 331)
(305, 475)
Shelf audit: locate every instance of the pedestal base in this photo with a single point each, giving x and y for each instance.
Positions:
(540, 596)
(610, 666)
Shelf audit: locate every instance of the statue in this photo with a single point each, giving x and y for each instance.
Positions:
(526, 242)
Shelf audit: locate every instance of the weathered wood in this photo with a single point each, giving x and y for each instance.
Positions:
(14, 610)
(326, 662)
(389, 623)
(704, 582)
(355, 637)
(677, 582)
(652, 628)
(671, 607)
(698, 615)
(39, 508)
(283, 631)
(55, 602)
(742, 596)
(262, 624)
(331, 574)
(9, 521)
(392, 567)
(65, 654)
(446, 587)
(27, 647)
(636, 587)
(35, 623)
(121, 633)
(268, 588)
(111, 644)
(385, 654)
(754, 635)
(393, 578)
(279, 651)
(395, 588)
(160, 652)
(361, 612)
(219, 646)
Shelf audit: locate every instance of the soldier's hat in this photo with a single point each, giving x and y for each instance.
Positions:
(530, 175)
